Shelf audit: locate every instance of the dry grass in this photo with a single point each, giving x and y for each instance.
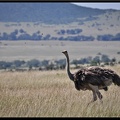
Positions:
(52, 94)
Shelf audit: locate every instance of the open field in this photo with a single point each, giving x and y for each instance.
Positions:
(52, 94)
(27, 50)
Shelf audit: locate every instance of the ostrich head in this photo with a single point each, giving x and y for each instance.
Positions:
(65, 52)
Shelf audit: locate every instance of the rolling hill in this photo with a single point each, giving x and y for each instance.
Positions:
(50, 13)
(57, 21)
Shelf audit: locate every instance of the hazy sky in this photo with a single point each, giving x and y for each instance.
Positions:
(100, 5)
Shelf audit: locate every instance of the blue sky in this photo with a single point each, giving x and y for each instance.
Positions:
(100, 5)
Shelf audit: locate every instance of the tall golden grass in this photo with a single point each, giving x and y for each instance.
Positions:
(52, 94)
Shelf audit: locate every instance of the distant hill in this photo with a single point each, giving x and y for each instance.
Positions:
(57, 21)
(51, 12)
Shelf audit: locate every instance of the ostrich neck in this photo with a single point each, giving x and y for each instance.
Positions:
(68, 68)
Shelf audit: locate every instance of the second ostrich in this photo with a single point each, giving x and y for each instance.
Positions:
(92, 78)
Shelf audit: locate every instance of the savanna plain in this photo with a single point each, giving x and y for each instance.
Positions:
(52, 94)
(52, 50)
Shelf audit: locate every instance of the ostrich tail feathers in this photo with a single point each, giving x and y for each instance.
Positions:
(116, 79)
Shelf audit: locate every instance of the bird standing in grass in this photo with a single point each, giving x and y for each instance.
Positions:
(92, 78)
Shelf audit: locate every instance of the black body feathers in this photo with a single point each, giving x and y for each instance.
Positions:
(96, 76)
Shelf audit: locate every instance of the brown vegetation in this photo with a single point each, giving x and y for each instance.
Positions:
(52, 94)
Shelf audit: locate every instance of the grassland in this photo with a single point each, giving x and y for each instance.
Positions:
(52, 94)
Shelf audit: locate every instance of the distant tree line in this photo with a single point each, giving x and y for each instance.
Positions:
(34, 63)
(109, 37)
(72, 35)
(69, 31)
(23, 35)
(55, 64)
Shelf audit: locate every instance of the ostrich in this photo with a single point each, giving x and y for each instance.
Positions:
(92, 78)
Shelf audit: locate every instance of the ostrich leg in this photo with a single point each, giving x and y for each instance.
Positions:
(95, 91)
(94, 97)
